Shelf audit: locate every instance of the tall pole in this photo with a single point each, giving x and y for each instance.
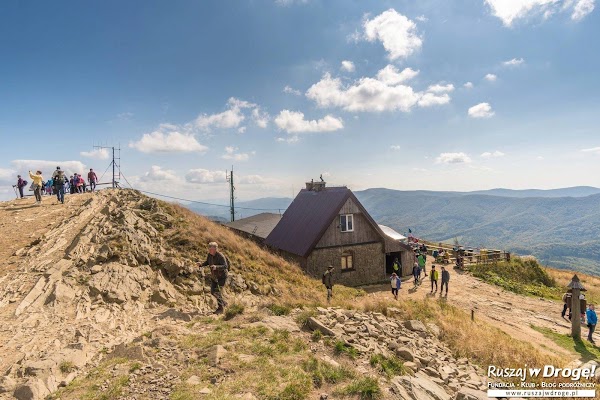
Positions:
(232, 188)
(113, 165)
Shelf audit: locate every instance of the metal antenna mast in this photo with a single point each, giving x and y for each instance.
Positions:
(116, 163)
(231, 193)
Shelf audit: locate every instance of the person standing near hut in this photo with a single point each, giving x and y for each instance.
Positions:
(416, 273)
(395, 282)
(445, 280)
(592, 320)
(327, 280)
(422, 262)
(434, 279)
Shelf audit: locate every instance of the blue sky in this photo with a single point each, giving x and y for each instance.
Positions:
(438, 95)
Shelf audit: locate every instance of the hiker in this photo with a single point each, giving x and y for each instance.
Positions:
(582, 307)
(218, 274)
(38, 182)
(434, 279)
(567, 306)
(396, 266)
(445, 280)
(21, 183)
(395, 282)
(592, 320)
(72, 184)
(49, 186)
(78, 183)
(92, 179)
(328, 282)
(59, 184)
(422, 262)
(416, 273)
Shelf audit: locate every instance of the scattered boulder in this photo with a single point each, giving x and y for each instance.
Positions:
(316, 325)
(415, 326)
(215, 354)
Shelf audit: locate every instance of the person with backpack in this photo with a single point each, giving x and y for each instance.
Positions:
(219, 268)
(59, 184)
(92, 179)
(567, 304)
(445, 280)
(592, 320)
(422, 262)
(416, 273)
(434, 279)
(327, 280)
(395, 282)
(38, 183)
(21, 183)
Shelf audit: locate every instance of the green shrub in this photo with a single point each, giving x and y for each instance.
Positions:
(324, 372)
(340, 347)
(304, 315)
(366, 388)
(279, 310)
(66, 367)
(233, 310)
(389, 366)
(316, 335)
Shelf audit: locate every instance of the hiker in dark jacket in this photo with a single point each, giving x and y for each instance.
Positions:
(328, 282)
(59, 184)
(218, 274)
(567, 306)
(445, 280)
(20, 185)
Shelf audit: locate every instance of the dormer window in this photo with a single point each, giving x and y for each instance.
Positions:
(347, 223)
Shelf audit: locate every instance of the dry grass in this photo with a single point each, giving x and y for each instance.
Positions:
(190, 234)
(591, 283)
(480, 342)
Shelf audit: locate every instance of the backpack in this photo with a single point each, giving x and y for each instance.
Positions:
(24, 183)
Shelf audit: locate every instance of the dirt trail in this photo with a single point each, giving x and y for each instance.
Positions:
(512, 313)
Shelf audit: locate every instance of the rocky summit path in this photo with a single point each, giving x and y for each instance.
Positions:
(513, 313)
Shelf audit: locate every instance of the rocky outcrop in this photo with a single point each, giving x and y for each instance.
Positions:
(433, 372)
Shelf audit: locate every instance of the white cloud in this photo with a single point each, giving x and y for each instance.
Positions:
(593, 150)
(250, 179)
(157, 174)
(8, 176)
(422, 18)
(490, 77)
(168, 140)
(383, 93)
(508, 11)
(581, 9)
(289, 90)
(468, 85)
(348, 66)
(260, 118)
(395, 147)
(290, 140)
(539, 158)
(439, 88)
(48, 167)
(481, 110)
(431, 99)
(242, 129)
(230, 154)
(98, 154)
(391, 76)
(493, 154)
(397, 33)
(294, 122)
(231, 118)
(453, 158)
(205, 176)
(515, 62)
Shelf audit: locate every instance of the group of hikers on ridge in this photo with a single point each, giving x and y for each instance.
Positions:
(57, 185)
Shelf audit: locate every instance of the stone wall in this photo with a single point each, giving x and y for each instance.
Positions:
(368, 260)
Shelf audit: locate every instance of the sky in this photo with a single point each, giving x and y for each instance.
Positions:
(436, 95)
